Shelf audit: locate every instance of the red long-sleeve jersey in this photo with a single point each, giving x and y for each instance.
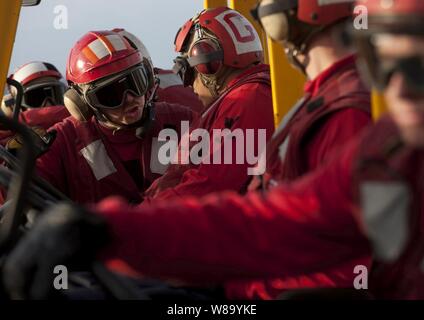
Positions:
(294, 229)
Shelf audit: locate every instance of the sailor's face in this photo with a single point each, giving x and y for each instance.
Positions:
(405, 101)
(202, 92)
(130, 112)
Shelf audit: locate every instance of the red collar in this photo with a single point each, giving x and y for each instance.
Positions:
(254, 69)
(124, 136)
(313, 86)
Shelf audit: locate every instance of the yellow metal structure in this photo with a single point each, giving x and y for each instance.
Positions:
(9, 16)
(214, 3)
(287, 83)
(244, 7)
(379, 106)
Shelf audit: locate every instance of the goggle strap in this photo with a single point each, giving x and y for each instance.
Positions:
(45, 85)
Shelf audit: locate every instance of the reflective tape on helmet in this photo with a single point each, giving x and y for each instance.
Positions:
(98, 159)
(243, 34)
(104, 46)
(134, 40)
(28, 70)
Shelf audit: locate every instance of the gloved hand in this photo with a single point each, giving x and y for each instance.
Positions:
(64, 235)
(7, 105)
(42, 139)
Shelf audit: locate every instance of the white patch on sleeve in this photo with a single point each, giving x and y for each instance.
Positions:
(155, 165)
(98, 159)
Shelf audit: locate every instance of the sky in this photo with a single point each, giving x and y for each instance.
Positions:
(41, 34)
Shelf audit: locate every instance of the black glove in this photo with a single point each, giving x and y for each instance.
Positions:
(42, 139)
(64, 235)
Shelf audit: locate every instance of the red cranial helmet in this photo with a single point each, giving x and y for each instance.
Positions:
(220, 36)
(136, 42)
(395, 16)
(103, 68)
(280, 17)
(42, 83)
(100, 54)
(297, 22)
(385, 20)
(35, 70)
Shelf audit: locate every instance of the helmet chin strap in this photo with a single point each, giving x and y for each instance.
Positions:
(300, 46)
(211, 83)
(215, 82)
(292, 55)
(293, 50)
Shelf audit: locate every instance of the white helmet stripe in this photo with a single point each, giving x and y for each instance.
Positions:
(101, 49)
(137, 42)
(29, 70)
(116, 42)
(243, 28)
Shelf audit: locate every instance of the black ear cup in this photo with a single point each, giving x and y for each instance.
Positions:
(76, 105)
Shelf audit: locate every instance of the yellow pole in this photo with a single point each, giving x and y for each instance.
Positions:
(244, 7)
(214, 3)
(379, 106)
(287, 82)
(9, 16)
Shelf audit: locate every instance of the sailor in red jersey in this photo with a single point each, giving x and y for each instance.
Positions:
(42, 103)
(234, 86)
(110, 145)
(335, 108)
